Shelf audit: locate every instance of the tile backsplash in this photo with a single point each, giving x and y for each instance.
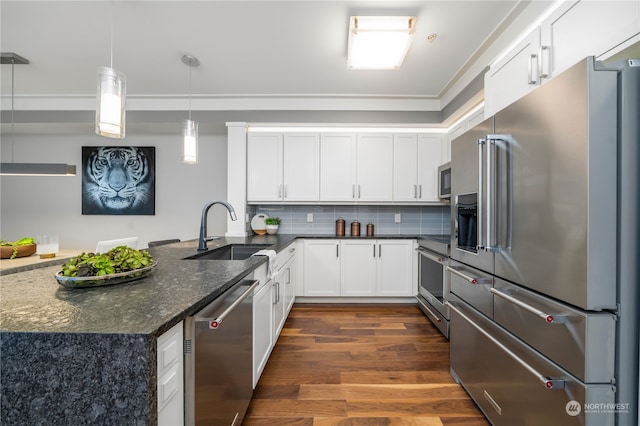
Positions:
(414, 220)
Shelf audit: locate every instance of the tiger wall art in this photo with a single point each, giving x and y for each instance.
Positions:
(118, 180)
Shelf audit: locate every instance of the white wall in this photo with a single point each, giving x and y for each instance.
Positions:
(30, 206)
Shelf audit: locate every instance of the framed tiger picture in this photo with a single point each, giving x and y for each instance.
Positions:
(118, 180)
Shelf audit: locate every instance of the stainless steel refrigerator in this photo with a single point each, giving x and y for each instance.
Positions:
(545, 261)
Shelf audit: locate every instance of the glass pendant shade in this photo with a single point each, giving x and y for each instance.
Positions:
(189, 141)
(110, 111)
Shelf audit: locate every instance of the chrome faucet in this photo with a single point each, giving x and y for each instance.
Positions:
(202, 242)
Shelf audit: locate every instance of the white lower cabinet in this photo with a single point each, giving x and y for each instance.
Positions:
(272, 301)
(358, 268)
(262, 328)
(170, 370)
(321, 267)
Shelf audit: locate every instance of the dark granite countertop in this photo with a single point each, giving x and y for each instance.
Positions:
(33, 301)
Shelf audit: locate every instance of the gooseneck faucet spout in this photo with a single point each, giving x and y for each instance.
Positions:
(202, 242)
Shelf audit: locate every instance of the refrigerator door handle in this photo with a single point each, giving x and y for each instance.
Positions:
(480, 244)
(548, 318)
(547, 382)
(490, 244)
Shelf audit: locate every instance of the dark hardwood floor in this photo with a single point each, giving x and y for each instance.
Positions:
(360, 365)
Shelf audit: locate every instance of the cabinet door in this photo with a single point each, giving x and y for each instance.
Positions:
(170, 373)
(278, 303)
(289, 285)
(514, 75)
(337, 167)
(586, 28)
(395, 268)
(357, 268)
(321, 268)
(264, 167)
(262, 329)
(374, 168)
(301, 167)
(429, 159)
(405, 167)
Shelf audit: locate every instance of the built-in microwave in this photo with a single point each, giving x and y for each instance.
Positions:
(444, 181)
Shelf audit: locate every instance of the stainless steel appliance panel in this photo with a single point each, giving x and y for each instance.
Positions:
(466, 170)
(437, 318)
(432, 278)
(473, 286)
(554, 173)
(582, 343)
(219, 364)
(513, 384)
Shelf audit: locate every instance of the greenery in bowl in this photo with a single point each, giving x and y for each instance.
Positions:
(117, 260)
(16, 244)
(272, 221)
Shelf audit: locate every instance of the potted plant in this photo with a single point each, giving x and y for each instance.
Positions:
(272, 225)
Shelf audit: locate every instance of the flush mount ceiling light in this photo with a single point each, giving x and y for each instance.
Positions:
(190, 127)
(111, 97)
(28, 169)
(379, 42)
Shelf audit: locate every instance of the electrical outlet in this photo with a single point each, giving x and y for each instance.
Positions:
(309, 217)
(397, 218)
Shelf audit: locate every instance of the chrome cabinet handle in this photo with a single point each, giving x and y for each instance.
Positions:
(285, 190)
(214, 323)
(419, 191)
(548, 318)
(415, 191)
(280, 190)
(543, 62)
(435, 317)
(547, 382)
(531, 79)
(337, 250)
(374, 250)
(353, 191)
(379, 250)
(358, 190)
(291, 250)
(468, 278)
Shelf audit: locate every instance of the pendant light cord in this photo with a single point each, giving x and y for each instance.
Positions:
(13, 64)
(190, 92)
(111, 37)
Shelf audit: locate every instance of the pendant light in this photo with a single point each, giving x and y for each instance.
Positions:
(190, 127)
(28, 169)
(111, 97)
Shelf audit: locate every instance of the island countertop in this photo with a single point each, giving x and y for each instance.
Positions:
(33, 301)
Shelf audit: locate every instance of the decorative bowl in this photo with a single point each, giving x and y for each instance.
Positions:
(102, 280)
(23, 251)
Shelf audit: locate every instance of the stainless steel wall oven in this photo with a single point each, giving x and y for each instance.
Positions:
(433, 287)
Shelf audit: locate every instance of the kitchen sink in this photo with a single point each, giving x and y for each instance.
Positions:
(230, 252)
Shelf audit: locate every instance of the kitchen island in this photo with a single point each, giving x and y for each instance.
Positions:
(88, 356)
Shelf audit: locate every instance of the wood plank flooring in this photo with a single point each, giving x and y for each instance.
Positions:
(360, 365)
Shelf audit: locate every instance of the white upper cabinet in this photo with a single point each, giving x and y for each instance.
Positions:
(374, 169)
(264, 167)
(337, 167)
(575, 30)
(586, 28)
(513, 76)
(415, 167)
(301, 169)
(283, 167)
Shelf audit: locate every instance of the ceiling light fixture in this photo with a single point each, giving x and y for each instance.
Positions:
(190, 127)
(112, 92)
(28, 169)
(379, 42)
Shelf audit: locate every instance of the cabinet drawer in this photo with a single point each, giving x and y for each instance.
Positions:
(510, 381)
(472, 286)
(562, 333)
(434, 316)
(285, 254)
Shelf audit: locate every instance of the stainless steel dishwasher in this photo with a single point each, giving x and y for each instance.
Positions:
(219, 358)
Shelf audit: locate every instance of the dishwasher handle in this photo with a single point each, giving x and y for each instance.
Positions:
(215, 322)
